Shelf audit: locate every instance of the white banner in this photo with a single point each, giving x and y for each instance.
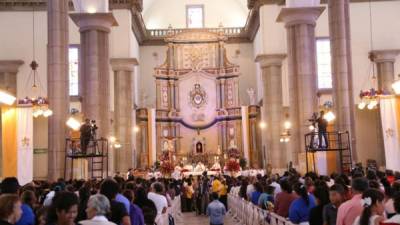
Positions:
(24, 145)
(390, 133)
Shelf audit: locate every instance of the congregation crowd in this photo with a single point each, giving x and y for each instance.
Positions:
(362, 198)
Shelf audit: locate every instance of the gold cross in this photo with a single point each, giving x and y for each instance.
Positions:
(389, 132)
(25, 142)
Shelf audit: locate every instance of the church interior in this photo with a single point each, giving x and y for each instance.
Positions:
(170, 89)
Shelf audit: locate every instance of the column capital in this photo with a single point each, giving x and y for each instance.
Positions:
(10, 66)
(387, 55)
(300, 15)
(94, 21)
(267, 60)
(123, 64)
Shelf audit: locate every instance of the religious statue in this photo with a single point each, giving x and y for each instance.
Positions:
(252, 97)
(232, 143)
(199, 148)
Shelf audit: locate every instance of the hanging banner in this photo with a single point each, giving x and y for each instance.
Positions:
(389, 109)
(24, 145)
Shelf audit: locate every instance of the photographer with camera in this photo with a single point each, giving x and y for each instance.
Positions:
(86, 133)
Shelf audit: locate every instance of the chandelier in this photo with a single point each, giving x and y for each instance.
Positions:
(285, 135)
(39, 103)
(370, 97)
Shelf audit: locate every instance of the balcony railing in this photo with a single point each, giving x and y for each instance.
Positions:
(164, 33)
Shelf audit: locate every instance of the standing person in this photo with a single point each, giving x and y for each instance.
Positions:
(373, 208)
(10, 209)
(321, 194)
(299, 210)
(223, 194)
(63, 209)
(336, 197)
(351, 209)
(148, 207)
(216, 210)
(156, 195)
(86, 133)
(119, 215)
(97, 208)
(395, 219)
(189, 196)
(284, 199)
(135, 213)
(322, 127)
(29, 201)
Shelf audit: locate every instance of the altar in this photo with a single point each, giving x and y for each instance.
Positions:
(198, 106)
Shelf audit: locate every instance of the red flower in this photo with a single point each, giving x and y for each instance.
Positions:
(232, 165)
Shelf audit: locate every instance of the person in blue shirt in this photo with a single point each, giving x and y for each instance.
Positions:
(257, 193)
(300, 208)
(216, 210)
(10, 185)
(28, 201)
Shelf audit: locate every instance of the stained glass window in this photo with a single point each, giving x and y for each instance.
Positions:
(73, 71)
(194, 16)
(324, 63)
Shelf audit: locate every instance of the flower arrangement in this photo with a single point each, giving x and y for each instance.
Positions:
(166, 168)
(232, 165)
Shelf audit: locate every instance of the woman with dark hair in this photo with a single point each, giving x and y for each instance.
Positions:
(84, 194)
(321, 194)
(395, 219)
(284, 199)
(390, 192)
(63, 209)
(243, 189)
(372, 214)
(299, 210)
(148, 207)
(10, 209)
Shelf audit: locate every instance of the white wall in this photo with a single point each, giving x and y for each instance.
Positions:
(161, 13)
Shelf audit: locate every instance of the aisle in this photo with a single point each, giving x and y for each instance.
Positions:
(192, 219)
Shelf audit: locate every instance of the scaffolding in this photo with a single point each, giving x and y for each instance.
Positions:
(96, 156)
(336, 142)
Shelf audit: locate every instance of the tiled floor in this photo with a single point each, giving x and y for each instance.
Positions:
(192, 219)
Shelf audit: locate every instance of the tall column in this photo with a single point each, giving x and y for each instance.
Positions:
(302, 70)
(385, 60)
(124, 110)
(57, 84)
(94, 67)
(342, 75)
(271, 67)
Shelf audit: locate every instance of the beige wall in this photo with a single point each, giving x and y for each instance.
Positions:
(271, 38)
(160, 13)
(151, 56)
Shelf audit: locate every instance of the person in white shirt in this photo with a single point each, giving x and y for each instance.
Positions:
(97, 208)
(276, 185)
(156, 195)
(396, 218)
